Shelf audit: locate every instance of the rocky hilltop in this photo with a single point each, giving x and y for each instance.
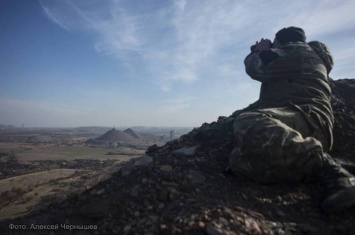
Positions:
(181, 188)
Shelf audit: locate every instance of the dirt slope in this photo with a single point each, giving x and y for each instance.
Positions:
(180, 188)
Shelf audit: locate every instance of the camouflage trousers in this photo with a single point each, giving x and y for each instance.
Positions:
(274, 145)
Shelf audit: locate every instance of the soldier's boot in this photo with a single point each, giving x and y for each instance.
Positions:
(339, 184)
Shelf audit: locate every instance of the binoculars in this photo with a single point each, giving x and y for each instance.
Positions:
(252, 48)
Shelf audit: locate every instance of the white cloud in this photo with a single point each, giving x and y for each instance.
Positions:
(182, 40)
(180, 4)
(326, 17)
(199, 46)
(54, 18)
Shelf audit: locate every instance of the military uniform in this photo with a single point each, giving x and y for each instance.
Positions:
(294, 119)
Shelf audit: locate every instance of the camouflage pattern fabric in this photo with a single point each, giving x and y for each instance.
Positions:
(270, 150)
(298, 78)
(293, 122)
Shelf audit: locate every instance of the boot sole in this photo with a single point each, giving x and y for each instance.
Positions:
(340, 201)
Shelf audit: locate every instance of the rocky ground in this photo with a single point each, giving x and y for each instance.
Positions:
(181, 188)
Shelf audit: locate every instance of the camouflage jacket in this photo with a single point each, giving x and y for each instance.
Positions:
(296, 75)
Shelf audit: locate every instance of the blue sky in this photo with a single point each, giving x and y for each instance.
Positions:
(68, 63)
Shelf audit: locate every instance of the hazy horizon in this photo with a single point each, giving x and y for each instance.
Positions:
(94, 126)
(79, 63)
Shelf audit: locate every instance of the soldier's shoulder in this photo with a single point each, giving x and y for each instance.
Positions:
(292, 48)
(319, 46)
(324, 52)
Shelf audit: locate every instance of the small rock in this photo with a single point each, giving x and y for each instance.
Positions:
(144, 180)
(279, 199)
(280, 213)
(96, 208)
(152, 148)
(211, 230)
(127, 168)
(93, 192)
(248, 223)
(163, 195)
(255, 227)
(135, 191)
(201, 224)
(173, 193)
(191, 223)
(141, 222)
(196, 177)
(166, 168)
(170, 184)
(223, 221)
(100, 192)
(127, 228)
(280, 231)
(186, 151)
(306, 228)
(154, 218)
(274, 224)
(144, 160)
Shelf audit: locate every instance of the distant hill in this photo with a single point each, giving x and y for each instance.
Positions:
(117, 136)
(131, 133)
(92, 129)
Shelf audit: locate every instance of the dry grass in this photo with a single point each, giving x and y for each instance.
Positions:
(23, 194)
(26, 152)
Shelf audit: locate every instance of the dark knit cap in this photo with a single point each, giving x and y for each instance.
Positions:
(291, 34)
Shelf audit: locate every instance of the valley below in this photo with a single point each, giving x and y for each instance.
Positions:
(42, 166)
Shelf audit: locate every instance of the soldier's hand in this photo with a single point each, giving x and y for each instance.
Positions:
(263, 45)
